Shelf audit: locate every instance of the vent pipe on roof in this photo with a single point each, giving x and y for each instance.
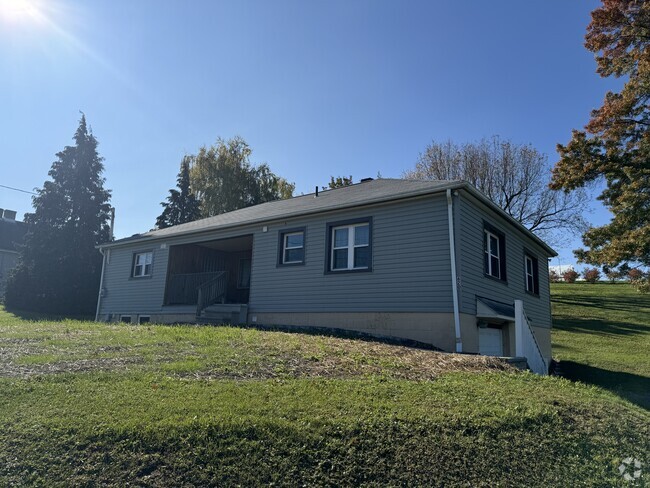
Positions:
(365, 180)
(316, 194)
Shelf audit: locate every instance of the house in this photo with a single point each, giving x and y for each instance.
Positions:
(431, 261)
(12, 234)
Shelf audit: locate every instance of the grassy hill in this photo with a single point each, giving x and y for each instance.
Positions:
(86, 404)
(602, 337)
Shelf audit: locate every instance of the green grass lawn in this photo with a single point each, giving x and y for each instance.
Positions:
(84, 404)
(602, 337)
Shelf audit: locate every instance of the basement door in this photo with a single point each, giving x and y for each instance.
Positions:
(490, 341)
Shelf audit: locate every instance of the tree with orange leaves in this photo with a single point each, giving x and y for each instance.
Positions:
(615, 145)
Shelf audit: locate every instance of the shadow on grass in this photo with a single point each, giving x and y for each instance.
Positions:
(632, 387)
(601, 302)
(597, 326)
(337, 333)
(40, 316)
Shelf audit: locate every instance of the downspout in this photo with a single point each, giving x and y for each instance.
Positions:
(101, 284)
(101, 278)
(454, 280)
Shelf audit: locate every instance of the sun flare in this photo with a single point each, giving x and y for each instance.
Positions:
(19, 10)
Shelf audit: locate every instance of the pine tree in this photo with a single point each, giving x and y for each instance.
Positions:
(181, 205)
(59, 267)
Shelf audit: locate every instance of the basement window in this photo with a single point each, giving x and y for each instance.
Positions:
(126, 319)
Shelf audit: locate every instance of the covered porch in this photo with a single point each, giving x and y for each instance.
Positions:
(206, 274)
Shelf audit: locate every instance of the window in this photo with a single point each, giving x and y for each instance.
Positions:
(142, 264)
(244, 275)
(292, 247)
(495, 253)
(350, 247)
(126, 319)
(144, 319)
(531, 274)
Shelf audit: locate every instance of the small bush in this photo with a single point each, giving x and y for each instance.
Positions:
(613, 275)
(591, 275)
(635, 274)
(554, 276)
(570, 276)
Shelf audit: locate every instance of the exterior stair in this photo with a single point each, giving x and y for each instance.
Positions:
(224, 313)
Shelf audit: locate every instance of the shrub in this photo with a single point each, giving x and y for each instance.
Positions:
(591, 275)
(553, 276)
(614, 275)
(570, 276)
(635, 274)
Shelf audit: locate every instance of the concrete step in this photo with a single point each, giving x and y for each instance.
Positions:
(518, 362)
(224, 313)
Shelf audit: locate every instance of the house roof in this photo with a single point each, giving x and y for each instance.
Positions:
(365, 193)
(12, 233)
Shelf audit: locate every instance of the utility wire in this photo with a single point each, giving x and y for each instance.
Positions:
(17, 189)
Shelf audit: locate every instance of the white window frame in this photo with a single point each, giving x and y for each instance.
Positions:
(490, 253)
(286, 247)
(350, 247)
(148, 261)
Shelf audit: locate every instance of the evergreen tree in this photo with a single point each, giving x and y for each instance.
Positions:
(614, 148)
(181, 205)
(59, 267)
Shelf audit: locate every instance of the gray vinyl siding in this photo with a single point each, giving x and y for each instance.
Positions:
(127, 295)
(473, 281)
(411, 269)
(410, 264)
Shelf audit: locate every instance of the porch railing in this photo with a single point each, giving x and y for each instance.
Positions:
(212, 292)
(525, 342)
(183, 289)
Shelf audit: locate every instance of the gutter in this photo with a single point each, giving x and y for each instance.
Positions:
(454, 280)
(101, 283)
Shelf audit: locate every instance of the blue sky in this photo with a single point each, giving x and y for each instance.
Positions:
(316, 88)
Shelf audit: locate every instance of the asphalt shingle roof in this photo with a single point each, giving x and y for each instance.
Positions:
(368, 192)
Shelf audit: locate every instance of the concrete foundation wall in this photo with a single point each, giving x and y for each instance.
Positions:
(431, 328)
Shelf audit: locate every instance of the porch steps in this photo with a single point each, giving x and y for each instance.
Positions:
(518, 362)
(224, 313)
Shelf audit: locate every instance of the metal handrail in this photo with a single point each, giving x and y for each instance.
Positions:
(182, 288)
(211, 291)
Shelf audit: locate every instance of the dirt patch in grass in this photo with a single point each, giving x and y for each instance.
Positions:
(218, 353)
(342, 358)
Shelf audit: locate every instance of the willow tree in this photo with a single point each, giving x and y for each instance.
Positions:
(224, 179)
